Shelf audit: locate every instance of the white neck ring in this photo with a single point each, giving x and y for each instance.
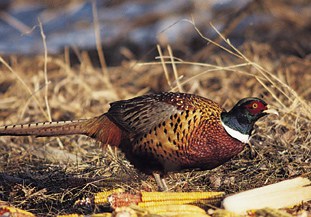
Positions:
(236, 134)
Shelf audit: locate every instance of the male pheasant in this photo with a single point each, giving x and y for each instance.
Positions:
(164, 132)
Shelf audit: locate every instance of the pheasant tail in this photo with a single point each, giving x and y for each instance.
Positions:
(56, 128)
(104, 130)
(100, 128)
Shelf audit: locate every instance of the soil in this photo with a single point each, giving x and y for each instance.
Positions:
(46, 176)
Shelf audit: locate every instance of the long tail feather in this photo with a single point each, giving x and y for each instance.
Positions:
(99, 128)
(57, 128)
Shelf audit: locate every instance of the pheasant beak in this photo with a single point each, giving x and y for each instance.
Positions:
(270, 110)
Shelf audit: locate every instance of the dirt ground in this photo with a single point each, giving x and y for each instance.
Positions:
(47, 175)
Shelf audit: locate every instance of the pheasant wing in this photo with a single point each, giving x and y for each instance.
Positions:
(142, 113)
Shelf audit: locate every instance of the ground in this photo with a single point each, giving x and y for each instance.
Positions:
(47, 175)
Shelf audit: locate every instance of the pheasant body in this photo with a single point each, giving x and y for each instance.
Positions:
(165, 131)
(187, 137)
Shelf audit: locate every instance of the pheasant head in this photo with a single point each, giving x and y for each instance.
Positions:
(239, 121)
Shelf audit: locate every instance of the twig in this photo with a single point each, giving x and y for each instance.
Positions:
(45, 71)
(99, 47)
(46, 80)
(15, 22)
(211, 41)
(164, 67)
(180, 89)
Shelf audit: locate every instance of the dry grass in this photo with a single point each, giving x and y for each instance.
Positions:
(44, 175)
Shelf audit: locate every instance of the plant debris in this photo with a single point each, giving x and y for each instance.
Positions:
(47, 175)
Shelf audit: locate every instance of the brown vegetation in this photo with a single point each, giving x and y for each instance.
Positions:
(47, 175)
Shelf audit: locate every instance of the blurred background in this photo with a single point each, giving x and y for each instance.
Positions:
(131, 29)
(102, 51)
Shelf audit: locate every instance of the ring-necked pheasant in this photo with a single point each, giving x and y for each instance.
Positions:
(165, 131)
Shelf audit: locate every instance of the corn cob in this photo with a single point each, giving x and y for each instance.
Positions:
(12, 211)
(165, 209)
(101, 198)
(100, 215)
(150, 204)
(93, 215)
(147, 199)
(164, 196)
(128, 211)
(123, 199)
(150, 199)
(70, 215)
(279, 195)
(187, 215)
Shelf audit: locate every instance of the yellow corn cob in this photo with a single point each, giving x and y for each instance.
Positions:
(170, 210)
(149, 204)
(165, 209)
(188, 214)
(93, 215)
(102, 197)
(101, 215)
(12, 211)
(70, 215)
(127, 211)
(165, 196)
(151, 199)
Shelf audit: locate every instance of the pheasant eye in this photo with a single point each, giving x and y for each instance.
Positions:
(255, 105)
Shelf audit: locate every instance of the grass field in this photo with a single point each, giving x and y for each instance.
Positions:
(47, 175)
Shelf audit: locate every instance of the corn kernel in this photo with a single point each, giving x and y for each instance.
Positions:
(102, 197)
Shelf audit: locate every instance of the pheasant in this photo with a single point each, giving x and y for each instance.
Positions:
(164, 132)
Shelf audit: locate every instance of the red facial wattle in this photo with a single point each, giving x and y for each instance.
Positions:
(256, 107)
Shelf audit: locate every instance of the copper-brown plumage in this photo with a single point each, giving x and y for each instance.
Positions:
(166, 131)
